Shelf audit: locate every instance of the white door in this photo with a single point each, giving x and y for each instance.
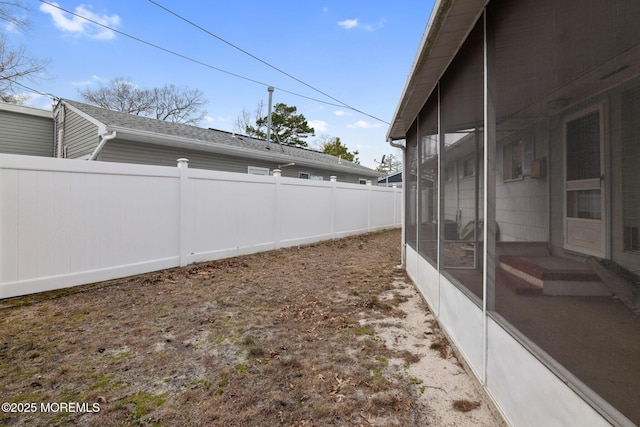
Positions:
(584, 184)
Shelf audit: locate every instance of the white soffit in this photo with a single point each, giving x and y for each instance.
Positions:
(450, 23)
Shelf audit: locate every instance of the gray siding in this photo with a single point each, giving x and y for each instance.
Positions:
(141, 153)
(26, 134)
(80, 136)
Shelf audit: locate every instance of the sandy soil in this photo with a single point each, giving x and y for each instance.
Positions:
(328, 334)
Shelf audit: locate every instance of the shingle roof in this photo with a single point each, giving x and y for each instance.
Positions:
(211, 136)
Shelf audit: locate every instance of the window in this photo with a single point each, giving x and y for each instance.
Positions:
(512, 161)
(467, 167)
(303, 175)
(449, 173)
(254, 170)
(362, 181)
(631, 239)
(516, 159)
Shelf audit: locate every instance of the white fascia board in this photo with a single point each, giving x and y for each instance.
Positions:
(102, 128)
(30, 111)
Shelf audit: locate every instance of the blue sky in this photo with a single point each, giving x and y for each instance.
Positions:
(358, 52)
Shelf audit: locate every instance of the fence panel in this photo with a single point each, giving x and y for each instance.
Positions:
(70, 222)
(229, 214)
(351, 209)
(304, 211)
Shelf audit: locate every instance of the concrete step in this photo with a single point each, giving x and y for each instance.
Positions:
(555, 275)
(516, 284)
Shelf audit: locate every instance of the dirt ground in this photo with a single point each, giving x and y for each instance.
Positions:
(329, 334)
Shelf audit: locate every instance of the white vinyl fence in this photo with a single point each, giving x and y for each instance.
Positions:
(72, 222)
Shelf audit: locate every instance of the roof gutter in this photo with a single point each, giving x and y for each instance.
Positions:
(102, 143)
(188, 143)
(395, 144)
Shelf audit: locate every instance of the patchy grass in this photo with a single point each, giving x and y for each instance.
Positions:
(277, 338)
(465, 405)
(441, 345)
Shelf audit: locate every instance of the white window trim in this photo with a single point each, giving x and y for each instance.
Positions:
(255, 170)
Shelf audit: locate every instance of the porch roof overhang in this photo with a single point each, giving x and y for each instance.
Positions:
(448, 27)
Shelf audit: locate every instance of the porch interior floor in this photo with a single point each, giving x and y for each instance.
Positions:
(592, 336)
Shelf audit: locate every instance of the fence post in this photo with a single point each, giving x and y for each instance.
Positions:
(183, 166)
(277, 220)
(395, 204)
(369, 189)
(333, 179)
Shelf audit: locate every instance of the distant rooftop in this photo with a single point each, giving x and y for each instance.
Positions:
(119, 120)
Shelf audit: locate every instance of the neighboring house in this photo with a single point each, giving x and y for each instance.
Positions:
(391, 180)
(88, 132)
(521, 129)
(26, 131)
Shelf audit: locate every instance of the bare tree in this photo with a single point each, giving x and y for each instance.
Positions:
(389, 164)
(10, 12)
(168, 103)
(15, 65)
(120, 94)
(247, 120)
(178, 105)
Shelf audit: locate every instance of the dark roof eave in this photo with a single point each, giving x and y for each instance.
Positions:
(448, 27)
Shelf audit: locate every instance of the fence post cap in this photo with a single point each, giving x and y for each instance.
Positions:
(277, 172)
(333, 178)
(183, 163)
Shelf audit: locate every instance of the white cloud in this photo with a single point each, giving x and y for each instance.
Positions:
(319, 125)
(10, 27)
(341, 113)
(363, 124)
(219, 121)
(349, 23)
(73, 24)
(354, 23)
(37, 101)
(380, 24)
(82, 83)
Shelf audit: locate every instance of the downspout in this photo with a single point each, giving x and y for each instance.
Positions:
(103, 141)
(403, 244)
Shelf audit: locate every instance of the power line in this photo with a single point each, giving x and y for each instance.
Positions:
(49, 95)
(261, 60)
(196, 61)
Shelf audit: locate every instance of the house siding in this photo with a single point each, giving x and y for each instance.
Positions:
(26, 134)
(80, 135)
(625, 154)
(521, 205)
(136, 152)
